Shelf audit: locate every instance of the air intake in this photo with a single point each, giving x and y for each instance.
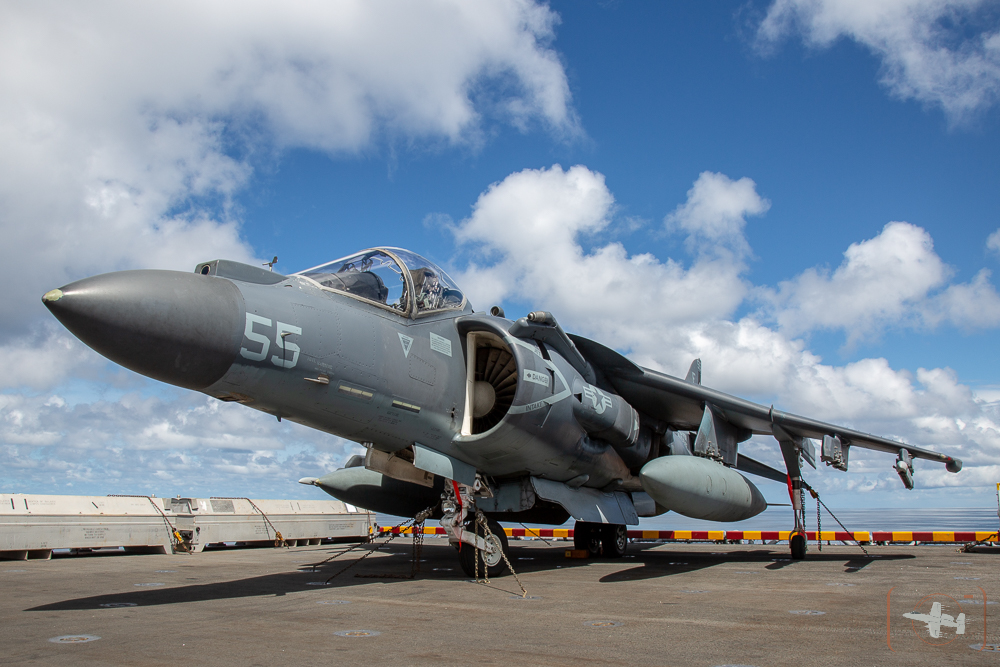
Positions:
(496, 383)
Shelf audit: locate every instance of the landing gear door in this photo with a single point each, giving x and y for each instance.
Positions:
(628, 508)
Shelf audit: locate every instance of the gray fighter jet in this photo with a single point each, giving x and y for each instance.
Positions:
(462, 413)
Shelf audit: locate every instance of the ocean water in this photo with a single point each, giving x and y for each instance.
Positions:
(780, 518)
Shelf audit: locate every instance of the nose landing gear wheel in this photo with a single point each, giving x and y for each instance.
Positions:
(490, 564)
(614, 540)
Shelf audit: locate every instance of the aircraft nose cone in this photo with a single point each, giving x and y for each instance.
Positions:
(180, 328)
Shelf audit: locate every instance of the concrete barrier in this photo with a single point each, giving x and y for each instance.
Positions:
(206, 521)
(31, 526)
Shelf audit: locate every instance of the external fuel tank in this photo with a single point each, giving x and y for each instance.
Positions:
(701, 489)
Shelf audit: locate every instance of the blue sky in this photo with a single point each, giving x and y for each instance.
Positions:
(665, 92)
(741, 148)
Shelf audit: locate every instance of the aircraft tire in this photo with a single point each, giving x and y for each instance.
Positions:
(614, 540)
(798, 545)
(494, 566)
(587, 537)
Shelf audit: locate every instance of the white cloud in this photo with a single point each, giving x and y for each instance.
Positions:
(142, 444)
(972, 305)
(528, 227)
(889, 280)
(880, 281)
(715, 212)
(122, 125)
(993, 241)
(528, 233)
(44, 360)
(940, 52)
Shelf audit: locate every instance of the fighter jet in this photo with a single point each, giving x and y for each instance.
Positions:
(462, 413)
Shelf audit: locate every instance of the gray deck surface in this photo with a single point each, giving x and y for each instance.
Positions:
(671, 604)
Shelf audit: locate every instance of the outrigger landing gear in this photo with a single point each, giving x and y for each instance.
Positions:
(798, 544)
(790, 451)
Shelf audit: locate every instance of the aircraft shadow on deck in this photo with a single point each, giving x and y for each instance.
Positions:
(439, 562)
(665, 563)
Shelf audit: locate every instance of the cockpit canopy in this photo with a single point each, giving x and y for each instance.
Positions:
(388, 277)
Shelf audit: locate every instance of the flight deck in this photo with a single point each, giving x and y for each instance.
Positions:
(662, 604)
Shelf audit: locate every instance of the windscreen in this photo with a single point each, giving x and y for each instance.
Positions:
(372, 275)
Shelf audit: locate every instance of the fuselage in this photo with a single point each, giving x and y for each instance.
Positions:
(362, 372)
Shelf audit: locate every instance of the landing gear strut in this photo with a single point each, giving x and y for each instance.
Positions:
(790, 450)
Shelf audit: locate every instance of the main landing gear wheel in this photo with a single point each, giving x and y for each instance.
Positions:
(798, 544)
(614, 540)
(490, 564)
(587, 537)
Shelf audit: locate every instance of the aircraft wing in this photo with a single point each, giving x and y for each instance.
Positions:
(682, 404)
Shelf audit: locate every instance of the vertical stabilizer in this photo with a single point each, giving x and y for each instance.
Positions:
(694, 373)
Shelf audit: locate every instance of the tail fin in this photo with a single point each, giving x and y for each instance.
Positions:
(694, 373)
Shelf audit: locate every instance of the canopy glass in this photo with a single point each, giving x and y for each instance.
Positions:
(380, 275)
